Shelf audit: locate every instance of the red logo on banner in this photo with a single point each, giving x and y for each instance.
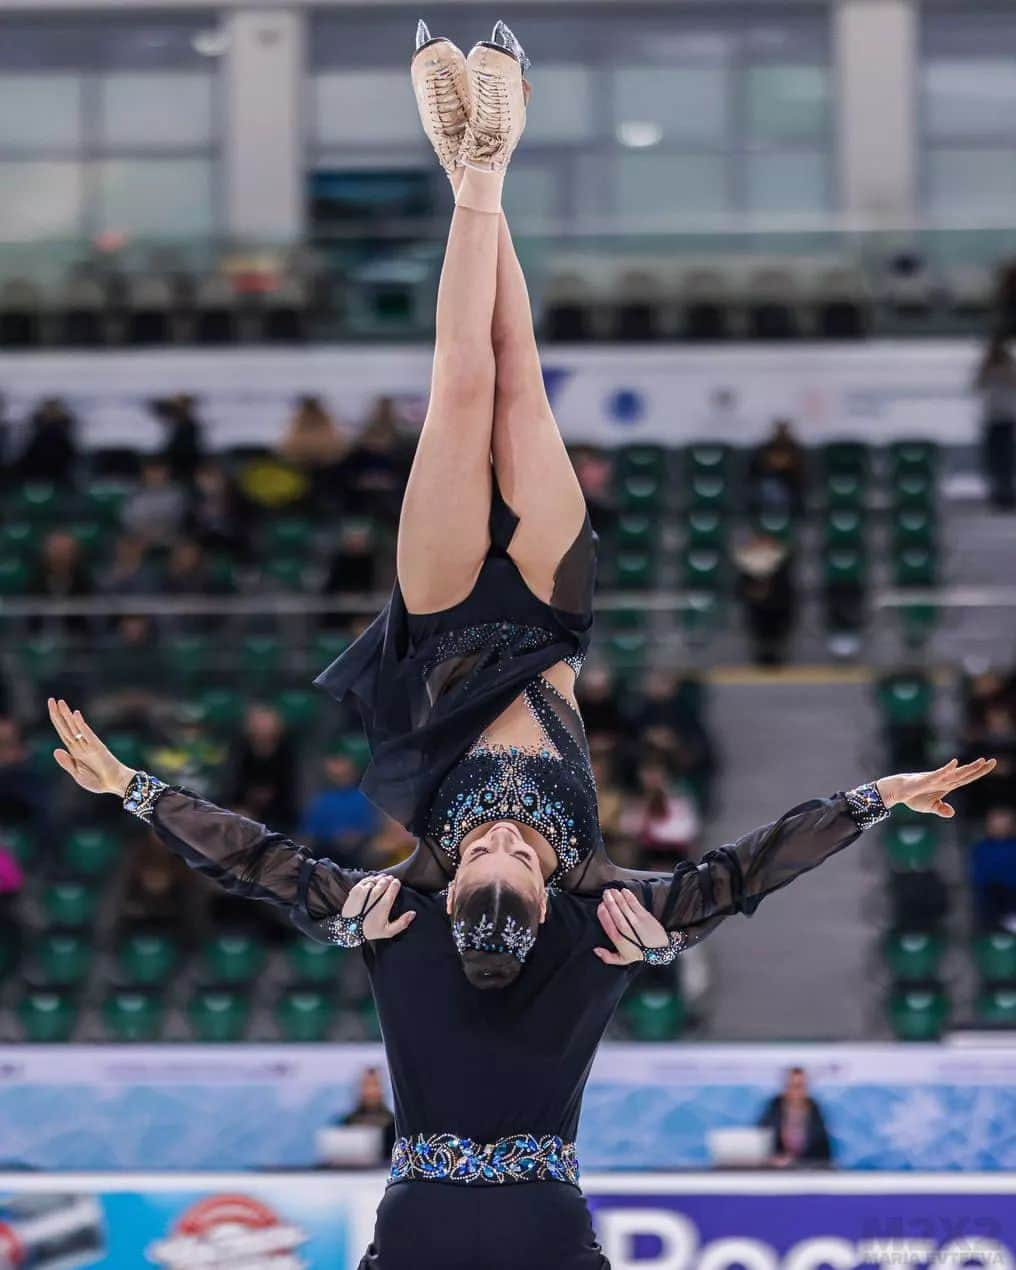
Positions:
(12, 1250)
(230, 1230)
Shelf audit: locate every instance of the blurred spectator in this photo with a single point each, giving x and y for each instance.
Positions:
(263, 770)
(995, 735)
(340, 820)
(216, 516)
(50, 452)
(610, 802)
(313, 440)
(996, 382)
(371, 1109)
(354, 567)
(24, 792)
(158, 892)
(375, 470)
(132, 674)
(61, 574)
(599, 702)
(595, 472)
(766, 586)
(184, 442)
(777, 474)
(129, 573)
(799, 1131)
(157, 508)
(663, 819)
(993, 871)
(667, 719)
(12, 879)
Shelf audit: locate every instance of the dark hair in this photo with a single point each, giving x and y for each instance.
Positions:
(481, 916)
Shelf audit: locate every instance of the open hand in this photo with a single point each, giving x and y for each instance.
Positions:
(629, 926)
(926, 791)
(377, 894)
(84, 756)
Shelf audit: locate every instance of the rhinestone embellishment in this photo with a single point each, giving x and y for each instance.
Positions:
(520, 1157)
(866, 806)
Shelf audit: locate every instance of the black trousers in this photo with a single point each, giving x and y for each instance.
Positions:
(452, 1226)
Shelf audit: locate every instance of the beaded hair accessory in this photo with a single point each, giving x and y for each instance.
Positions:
(483, 936)
(142, 794)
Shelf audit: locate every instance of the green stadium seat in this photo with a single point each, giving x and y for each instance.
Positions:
(128, 747)
(300, 707)
(222, 572)
(62, 958)
(47, 1016)
(640, 492)
(995, 955)
(15, 575)
(910, 846)
(304, 1014)
(708, 490)
(845, 489)
(845, 566)
(90, 852)
(636, 532)
(130, 1014)
(918, 1013)
(703, 569)
(20, 538)
(707, 527)
(42, 657)
(91, 536)
(996, 1006)
(636, 459)
(217, 1014)
(913, 489)
(369, 1022)
(19, 841)
(39, 501)
(915, 567)
(913, 956)
(852, 458)
(234, 957)
(634, 570)
(260, 655)
(148, 957)
(219, 708)
(775, 524)
(70, 903)
(284, 573)
(913, 527)
(355, 746)
(288, 536)
(9, 950)
(327, 646)
(845, 529)
(710, 458)
(104, 501)
(627, 651)
(654, 1014)
(913, 456)
(187, 659)
(905, 697)
(314, 962)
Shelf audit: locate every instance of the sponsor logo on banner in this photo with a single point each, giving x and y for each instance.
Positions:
(227, 1232)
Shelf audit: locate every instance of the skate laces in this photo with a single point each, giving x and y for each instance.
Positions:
(444, 100)
(491, 115)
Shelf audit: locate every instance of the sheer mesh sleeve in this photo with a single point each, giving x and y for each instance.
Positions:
(247, 859)
(575, 576)
(735, 878)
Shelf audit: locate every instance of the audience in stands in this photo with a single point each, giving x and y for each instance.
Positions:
(262, 778)
(61, 574)
(130, 572)
(24, 791)
(156, 509)
(595, 472)
(217, 515)
(184, 443)
(340, 821)
(372, 1109)
(50, 451)
(663, 818)
(778, 473)
(992, 867)
(316, 445)
(996, 383)
(355, 568)
(12, 879)
(374, 471)
(767, 590)
(800, 1136)
(158, 891)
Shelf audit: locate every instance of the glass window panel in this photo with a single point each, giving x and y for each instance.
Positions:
(532, 195)
(157, 110)
(971, 182)
(170, 198)
(564, 105)
(684, 103)
(40, 112)
(40, 200)
(658, 186)
(796, 182)
(787, 103)
(363, 108)
(970, 97)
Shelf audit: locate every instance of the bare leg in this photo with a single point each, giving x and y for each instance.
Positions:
(444, 527)
(532, 465)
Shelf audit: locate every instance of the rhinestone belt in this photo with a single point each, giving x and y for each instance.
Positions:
(520, 1157)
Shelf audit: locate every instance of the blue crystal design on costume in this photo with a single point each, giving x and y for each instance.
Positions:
(866, 806)
(520, 1157)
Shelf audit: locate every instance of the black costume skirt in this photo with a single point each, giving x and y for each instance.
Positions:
(448, 1226)
(427, 685)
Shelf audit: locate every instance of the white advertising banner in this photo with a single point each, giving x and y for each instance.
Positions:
(611, 395)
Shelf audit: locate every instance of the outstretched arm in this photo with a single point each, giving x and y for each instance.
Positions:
(239, 854)
(734, 879)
